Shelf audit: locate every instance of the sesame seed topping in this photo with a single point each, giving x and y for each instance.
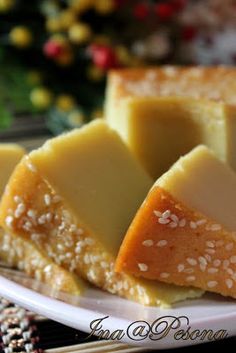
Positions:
(233, 259)
(212, 284)
(200, 222)
(174, 218)
(225, 264)
(157, 213)
(229, 246)
(217, 262)
(202, 260)
(9, 221)
(162, 243)
(202, 267)
(193, 225)
(104, 264)
(230, 271)
(47, 269)
(215, 227)
(191, 261)
(173, 225)
(164, 275)
(182, 222)
(180, 267)
(17, 199)
(31, 214)
(163, 220)
(190, 278)
(143, 267)
(229, 283)
(189, 270)
(208, 258)
(148, 243)
(210, 251)
(56, 198)
(210, 244)
(212, 270)
(166, 214)
(19, 210)
(47, 199)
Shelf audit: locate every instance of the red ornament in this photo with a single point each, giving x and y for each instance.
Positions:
(52, 49)
(141, 11)
(179, 5)
(164, 11)
(103, 57)
(188, 33)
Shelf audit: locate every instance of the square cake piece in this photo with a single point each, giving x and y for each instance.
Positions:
(162, 113)
(74, 199)
(185, 231)
(22, 253)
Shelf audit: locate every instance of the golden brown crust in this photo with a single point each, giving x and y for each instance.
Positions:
(169, 242)
(213, 83)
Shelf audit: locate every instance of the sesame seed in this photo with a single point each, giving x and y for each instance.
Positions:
(89, 241)
(56, 199)
(210, 244)
(143, 267)
(210, 251)
(217, 262)
(182, 222)
(163, 220)
(215, 227)
(202, 260)
(174, 218)
(173, 225)
(31, 167)
(104, 264)
(166, 214)
(230, 271)
(31, 214)
(212, 284)
(229, 246)
(47, 199)
(191, 261)
(189, 270)
(17, 199)
(164, 275)
(193, 225)
(148, 243)
(190, 278)
(162, 243)
(19, 210)
(9, 221)
(225, 264)
(180, 267)
(202, 267)
(233, 259)
(157, 213)
(208, 258)
(229, 283)
(79, 231)
(200, 222)
(212, 270)
(47, 269)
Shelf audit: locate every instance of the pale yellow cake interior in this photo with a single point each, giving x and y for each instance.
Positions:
(10, 155)
(189, 179)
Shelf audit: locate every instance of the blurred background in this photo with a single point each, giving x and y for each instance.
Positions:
(55, 54)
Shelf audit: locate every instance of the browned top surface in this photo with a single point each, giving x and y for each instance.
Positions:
(214, 83)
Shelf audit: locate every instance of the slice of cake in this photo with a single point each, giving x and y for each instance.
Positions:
(184, 233)
(74, 198)
(22, 253)
(162, 113)
(10, 155)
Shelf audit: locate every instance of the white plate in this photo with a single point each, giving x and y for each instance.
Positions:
(208, 313)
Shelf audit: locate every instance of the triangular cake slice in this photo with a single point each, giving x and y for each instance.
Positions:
(22, 253)
(74, 198)
(184, 232)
